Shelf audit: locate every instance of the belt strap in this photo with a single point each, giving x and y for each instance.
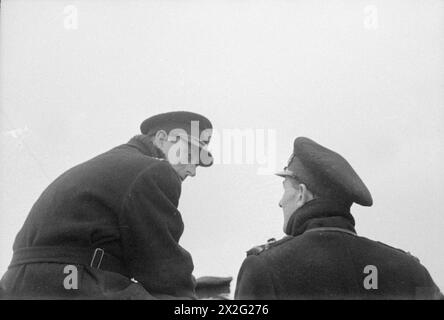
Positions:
(95, 258)
(332, 229)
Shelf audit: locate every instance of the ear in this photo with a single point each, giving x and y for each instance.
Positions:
(160, 138)
(304, 194)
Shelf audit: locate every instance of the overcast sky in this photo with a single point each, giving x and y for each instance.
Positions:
(364, 78)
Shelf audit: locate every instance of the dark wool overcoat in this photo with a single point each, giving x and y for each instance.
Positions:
(323, 258)
(115, 220)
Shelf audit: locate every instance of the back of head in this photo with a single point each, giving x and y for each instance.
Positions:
(326, 173)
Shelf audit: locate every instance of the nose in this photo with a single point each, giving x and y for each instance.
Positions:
(280, 204)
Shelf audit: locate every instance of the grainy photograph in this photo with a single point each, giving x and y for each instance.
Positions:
(221, 150)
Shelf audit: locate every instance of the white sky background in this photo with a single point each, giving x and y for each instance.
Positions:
(302, 68)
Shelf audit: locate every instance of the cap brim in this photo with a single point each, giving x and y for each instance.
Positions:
(284, 174)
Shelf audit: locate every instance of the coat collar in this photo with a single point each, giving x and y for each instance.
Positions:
(320, 213)
(147, 148)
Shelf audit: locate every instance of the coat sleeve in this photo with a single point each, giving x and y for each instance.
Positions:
(254, 281)
(151, 227)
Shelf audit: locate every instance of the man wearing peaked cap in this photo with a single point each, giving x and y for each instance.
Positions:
(115, 220)
(322, 257)
(326, 173)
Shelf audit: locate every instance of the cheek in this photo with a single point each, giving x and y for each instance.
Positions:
(285, 198)
(289, 198)
(179, 168)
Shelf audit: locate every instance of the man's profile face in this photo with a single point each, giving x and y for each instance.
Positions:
(289, 201)
(179, 155)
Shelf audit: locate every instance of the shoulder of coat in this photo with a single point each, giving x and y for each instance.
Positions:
(271, 243)
(400, 250)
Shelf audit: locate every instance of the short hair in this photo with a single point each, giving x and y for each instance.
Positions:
(145, 138)
(151, 134)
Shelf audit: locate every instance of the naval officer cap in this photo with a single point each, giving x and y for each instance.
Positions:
(326, 173)
(189, 126)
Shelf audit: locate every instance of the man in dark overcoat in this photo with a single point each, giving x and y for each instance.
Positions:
(322, 257)
(109, 228)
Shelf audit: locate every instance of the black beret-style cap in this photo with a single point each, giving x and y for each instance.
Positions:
(325, 172)
(175, 119)
(192, 123)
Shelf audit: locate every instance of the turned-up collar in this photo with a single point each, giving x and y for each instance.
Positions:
(320, 213)
(147, 148)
